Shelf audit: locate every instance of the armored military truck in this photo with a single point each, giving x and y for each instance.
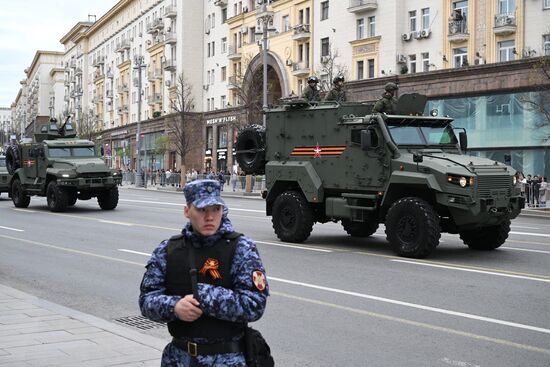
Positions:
(4, 175)
(341, 162)
(62, 168)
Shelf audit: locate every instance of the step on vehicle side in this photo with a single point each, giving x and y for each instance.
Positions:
(4, 175)
(62, 168)
(341, 162)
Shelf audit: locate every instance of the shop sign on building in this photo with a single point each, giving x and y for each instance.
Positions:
(208, 152)
(221, 120)
(221, 153)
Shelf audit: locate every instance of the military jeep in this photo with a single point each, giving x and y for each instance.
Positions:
(4, 175)
(62, 168)
(341, 162)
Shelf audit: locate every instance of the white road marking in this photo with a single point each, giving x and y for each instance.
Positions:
(12, 229)
(414, 305)
(293, 246)
(472, 270)
(531, 234)
(134, 252)
(516, 226)
(24, 210)
(115, 222)
(526, 250)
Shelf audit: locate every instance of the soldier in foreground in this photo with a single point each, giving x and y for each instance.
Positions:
(337, 93)
(388, 103)
(206, 310)
(311, 93)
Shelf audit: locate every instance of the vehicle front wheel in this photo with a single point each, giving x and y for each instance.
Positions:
(412, 227)
(56, 197)
(20, 200)
(486, 238)
(108, 199)
(359, 229)
(292, 217)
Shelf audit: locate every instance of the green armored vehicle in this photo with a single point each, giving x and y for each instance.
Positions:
(341, 162)
(62, 168)
(4, 175)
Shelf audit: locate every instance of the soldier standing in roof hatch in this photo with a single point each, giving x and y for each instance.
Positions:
(206, 314)
(387, 104)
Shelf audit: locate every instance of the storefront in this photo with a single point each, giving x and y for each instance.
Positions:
(220, 131)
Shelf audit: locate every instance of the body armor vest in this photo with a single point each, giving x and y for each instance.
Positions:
(178, 282)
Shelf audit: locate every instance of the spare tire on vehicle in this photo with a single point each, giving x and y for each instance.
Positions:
(250, 149)
(13, 161)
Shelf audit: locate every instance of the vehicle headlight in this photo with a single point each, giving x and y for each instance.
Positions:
(514, 180)
(463, 182)
(65, 175)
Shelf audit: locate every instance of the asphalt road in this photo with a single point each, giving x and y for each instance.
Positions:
(335, 300)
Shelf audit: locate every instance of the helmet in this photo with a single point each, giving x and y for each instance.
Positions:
(338, 79)
(313, 79)
(390, 87)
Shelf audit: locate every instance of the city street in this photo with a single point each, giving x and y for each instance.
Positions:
(335, 300)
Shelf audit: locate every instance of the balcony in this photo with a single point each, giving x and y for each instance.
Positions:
(300, 69)
(122, 110)
(109, 74)
(170, 65)
(301, 32)
(171, 11)
(154, 74)
(360, 6)
(78, 71)
(99, 61)
(123, 46)
(458, 31)
(72, 64)
(66, 98)
(156, 25)
(67, 83)
(505, 24)
(170, 38)
(109, 94)
(98, 75)
(122, 88)
(233, 53)
(232, 82)
(222, 3)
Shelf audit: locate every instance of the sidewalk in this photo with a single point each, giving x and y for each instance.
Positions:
(35, 332)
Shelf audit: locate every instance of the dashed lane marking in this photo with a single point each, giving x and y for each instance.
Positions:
(12, 229)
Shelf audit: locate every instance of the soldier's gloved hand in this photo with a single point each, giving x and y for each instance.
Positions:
(187, 309)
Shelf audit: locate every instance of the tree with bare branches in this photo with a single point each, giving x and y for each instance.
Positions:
(248, 88)
(86, 126)
(539, 102)
(183, 127)
(329, 68)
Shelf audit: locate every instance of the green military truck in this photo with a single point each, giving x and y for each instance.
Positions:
(62, 168)
(341, 162)
(4, 175)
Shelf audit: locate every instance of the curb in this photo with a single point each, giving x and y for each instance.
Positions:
(240, 194)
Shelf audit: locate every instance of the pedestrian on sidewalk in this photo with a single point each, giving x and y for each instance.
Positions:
(206, 310)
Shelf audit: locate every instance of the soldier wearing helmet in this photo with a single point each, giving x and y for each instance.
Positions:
(388, 103)
(337, 93)
(311, 93)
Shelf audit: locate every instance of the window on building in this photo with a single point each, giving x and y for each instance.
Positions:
(546, 4)
(208, 50)
(209, 137)
(360, 28)
(224, 45)
(426, 18)
(461, 7)
(223, 101)
(213, 48)
(324, 10)
(224, 15)
(370, 65)
(546, 44)
(425, 61)
(506, 6)
(213, 72)
(222, 136)
(460, 57)
(412, 21)
(213, 20)
(506, 50)
(285, 26)
(372, 26)
(360, 70)
(412, 64)
(223, 76)
(325, 47)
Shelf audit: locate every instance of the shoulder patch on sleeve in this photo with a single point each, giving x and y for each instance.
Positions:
(258, 278)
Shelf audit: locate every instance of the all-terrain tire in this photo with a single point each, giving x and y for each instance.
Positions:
(13, 161)
(250, 149)
(412, 227)
(108, 199)
(56, 197)
(486, 238)
(359, 229)
(18, 196)
(292, 217)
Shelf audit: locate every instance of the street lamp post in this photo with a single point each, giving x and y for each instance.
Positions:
(139, 64)
(264, 17)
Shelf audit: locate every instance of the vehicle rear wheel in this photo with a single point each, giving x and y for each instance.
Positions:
(486, 238)
(359, 229)
(292, 217)
(412, 227)
(20, 200)
(56, 197)
(108, 199)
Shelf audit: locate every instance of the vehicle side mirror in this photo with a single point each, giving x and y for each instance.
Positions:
(463, 139)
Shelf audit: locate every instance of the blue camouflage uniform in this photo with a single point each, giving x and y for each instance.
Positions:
(243, 303)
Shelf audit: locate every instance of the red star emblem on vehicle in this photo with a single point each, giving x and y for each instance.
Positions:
(317, 151)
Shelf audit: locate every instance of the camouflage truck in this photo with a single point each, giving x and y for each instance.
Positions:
(4, 175)
(62, 168)
(341, 162)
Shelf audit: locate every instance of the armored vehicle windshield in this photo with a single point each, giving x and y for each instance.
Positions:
(73, 152)
(422, 132)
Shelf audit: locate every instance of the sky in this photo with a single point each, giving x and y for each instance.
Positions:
(27, 26)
